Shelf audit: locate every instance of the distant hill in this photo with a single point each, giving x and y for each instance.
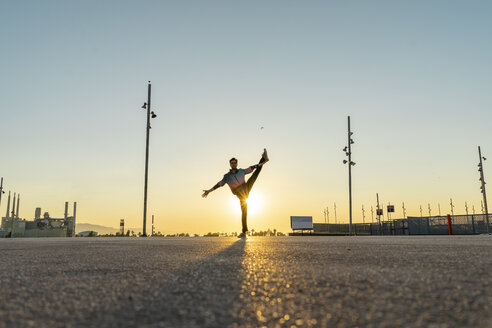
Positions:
(101, 230)
(94, 227)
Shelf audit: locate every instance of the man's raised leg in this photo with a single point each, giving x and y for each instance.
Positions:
(254, 176)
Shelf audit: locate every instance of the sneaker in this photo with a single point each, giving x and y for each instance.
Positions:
(242, 235)
(264, 156)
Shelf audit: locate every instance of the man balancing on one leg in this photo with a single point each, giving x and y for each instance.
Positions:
(239, 187)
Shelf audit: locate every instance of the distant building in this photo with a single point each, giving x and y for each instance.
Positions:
(46, 226)
(122, 227)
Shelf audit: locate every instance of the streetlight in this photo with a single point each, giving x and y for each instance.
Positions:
(482, 187)
(348, 153)
(149, 115)
(1, 190)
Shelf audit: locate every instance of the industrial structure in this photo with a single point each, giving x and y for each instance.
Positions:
(122, 227)
(45, 226)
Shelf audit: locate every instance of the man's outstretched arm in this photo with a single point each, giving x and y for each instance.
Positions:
(206, 192)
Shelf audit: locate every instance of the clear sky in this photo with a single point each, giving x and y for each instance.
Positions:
(415, 77)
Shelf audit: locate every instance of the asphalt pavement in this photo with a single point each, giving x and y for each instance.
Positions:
(404, 281)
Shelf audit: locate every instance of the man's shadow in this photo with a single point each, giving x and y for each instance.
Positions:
(201, 294)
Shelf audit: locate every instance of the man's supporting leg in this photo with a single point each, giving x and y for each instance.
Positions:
(244, 214)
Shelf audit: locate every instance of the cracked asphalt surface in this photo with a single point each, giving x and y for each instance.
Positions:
(425, 281)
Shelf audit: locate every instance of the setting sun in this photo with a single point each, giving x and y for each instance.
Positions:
(255, 203)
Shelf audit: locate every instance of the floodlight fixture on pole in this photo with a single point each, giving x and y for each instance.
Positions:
(348, 153)
(147, 129)
(482, 187)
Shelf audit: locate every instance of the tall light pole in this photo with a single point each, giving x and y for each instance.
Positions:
(335, 208)
(482, 187)
(348, 152)
(1, 190)
(379, 212)
(149, 115)
(152, 234)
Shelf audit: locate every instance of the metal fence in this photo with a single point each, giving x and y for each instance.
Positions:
(438, 225)
(430, 225)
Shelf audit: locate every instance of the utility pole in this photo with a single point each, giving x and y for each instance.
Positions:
(379, 212)
(404, 210)
(452, 206)
(324, 213)
(429, 207)
(482, 180)
(152, 225)
(149, 115)
(328, 217)
(335, 207)
(421, 211)
(363, 215)
(1, 190)
(348, 153)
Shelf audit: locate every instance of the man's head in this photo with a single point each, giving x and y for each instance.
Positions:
(233, 163)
